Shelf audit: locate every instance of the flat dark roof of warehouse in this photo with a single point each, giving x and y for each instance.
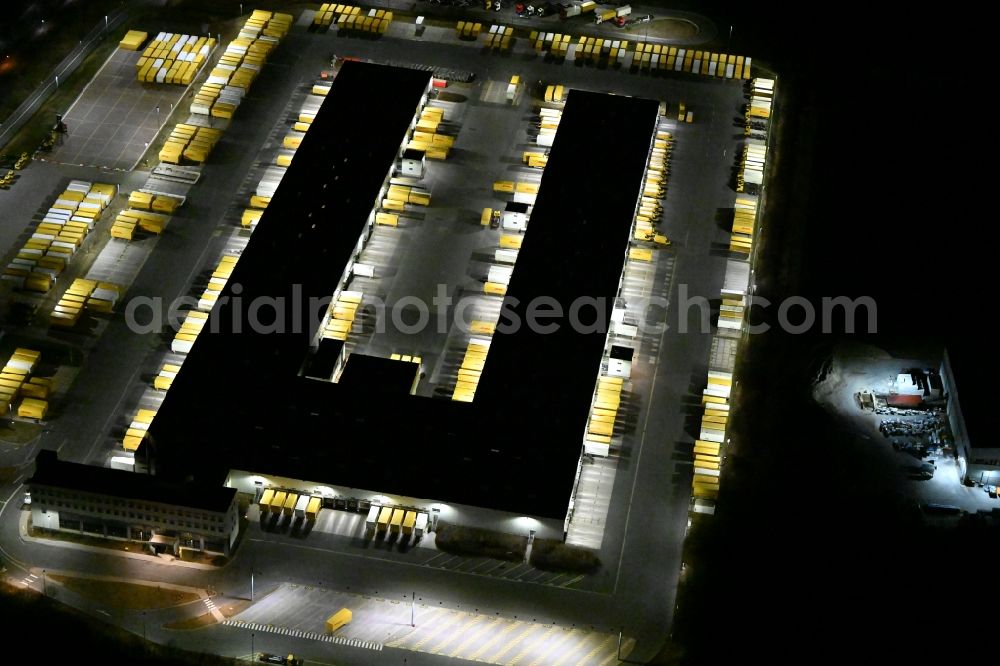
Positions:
(239, 401)
(976, 389)
(55, 473)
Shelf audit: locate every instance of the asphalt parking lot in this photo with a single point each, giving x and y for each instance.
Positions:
(635, 590)
(115, 118)
(377, 623)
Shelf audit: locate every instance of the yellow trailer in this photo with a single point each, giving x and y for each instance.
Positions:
(387, 219)
(383, 518)
(265, 500)
(397, 520)
(278, 501)
(511, 242)
(289, 505)
(339, 619)
(313, 508)
(409, 521)
(495, 288)
(32, 408)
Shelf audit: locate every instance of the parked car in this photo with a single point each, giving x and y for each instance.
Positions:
(290, 660)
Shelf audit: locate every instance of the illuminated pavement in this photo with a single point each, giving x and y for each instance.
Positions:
(377, 623)
(115, 117)
(344, 531)
(641, 556)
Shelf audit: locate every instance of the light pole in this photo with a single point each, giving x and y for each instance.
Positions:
(45, 591)
(413, 609)
(251, 646)
(251, 586)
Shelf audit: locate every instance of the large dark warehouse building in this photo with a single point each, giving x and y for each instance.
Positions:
(243, 402)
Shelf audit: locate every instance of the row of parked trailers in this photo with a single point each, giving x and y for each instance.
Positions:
(189, 143)
(396, 520)
(289, 503)
(56, 239)
(83, 294)
(474, 359)
(273, 174)
(608, 392)
(515, 215)
(654, 188)
(343, 309)
(240, 64)
(173, 58)
(555, 43)
(148, 211)
(237, 67)
(352, 17)
(744, 220)
(707, 448)
(754, 156)
(498, 277)
(191, 327)
(17, 383)
(678, 59)
(761, 98)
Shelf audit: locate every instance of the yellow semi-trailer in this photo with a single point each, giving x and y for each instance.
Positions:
(397, 520)
(383, 518)
(278, 501)
(313, 508)
(409, 520)
(265, 500)
(339, 619)
(289, 506)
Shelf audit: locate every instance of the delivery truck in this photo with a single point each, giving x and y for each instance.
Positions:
(614, 14)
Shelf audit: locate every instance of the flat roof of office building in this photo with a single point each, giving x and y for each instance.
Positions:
(55, 473)
(240, 402)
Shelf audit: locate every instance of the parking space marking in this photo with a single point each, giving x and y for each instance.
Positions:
(593, 653)
(572, 581)
(553, 645)
(285, 631)
(475, 655)
(514, 643)
(580, 643)
(528, 647)
(455, 617)
(476, 619)
(477, 634)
